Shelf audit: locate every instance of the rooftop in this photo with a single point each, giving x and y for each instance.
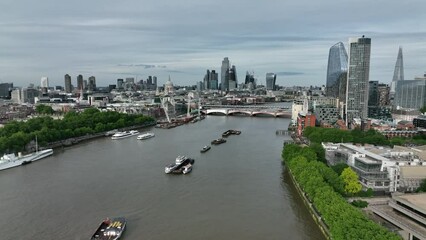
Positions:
(416, 201)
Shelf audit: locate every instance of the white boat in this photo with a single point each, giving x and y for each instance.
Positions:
(187, 168)
(11, 160)
(120, 135)
(112, 132)
(146, 136)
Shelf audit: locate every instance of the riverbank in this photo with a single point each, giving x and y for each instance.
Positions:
(314, 213)
(76, 140)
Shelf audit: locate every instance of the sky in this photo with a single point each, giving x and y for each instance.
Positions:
(182, 39)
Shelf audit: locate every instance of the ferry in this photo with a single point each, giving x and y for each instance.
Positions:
(205, 149)
(120, 135)
(112, 132)
(218, 141)
(146, 136)
(110, 229)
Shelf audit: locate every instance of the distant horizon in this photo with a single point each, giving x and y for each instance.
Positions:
(111, 40)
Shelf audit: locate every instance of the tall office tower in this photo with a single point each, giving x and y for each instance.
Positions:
(206, 81)
(384, 91)
(5, 90)
(120, 83)
(398, 73)
(92, 83)
(214, 76)
(270, 81)
(337, 71)
(44, 83)
(373, 93)
(149, 80)
(224, 75)
(358, 77)
(154, 81)
(250, 81)
(232, 82)
(68, 86)
(80, 82)
(130, 80)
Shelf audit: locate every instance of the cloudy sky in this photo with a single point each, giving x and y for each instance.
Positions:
(138, 38)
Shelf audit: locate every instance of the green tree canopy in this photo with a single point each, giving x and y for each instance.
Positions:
(422, 187)
(43, 109)
(350, 178)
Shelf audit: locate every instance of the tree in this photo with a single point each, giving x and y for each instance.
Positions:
(350, 178)
(422, 187)
(43, 109)
(423, 109)
(338, 168)
(319, 150)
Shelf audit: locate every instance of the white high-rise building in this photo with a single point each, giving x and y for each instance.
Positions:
(44, 83)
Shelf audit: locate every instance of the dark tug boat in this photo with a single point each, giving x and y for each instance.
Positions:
(229, 132)
(205, 149)
(218, 141)
(110, 229)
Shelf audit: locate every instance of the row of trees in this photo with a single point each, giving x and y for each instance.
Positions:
(15, 136)
(335, 135)
(324, 188)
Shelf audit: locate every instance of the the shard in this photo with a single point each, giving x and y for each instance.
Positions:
(337, 71)
(398, 74)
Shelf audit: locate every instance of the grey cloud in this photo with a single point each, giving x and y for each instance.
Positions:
(289, 73)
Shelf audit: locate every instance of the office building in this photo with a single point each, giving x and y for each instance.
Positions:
(358, 77)
(206, 81)
(120, 83)
(410, 94)
(68, 85)
(44, 82)
(91, 86)
(224, 75)
(337, 71)
(80, 83)
(5, 90)
(270, 81)
(373, 93)
(213, 80)
(232, 80)
(384, 94)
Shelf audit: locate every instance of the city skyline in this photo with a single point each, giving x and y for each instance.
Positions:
(113, 40)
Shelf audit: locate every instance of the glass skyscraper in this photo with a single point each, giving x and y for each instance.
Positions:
(398, 74)
(270, 81)
(224, 75)
(358, 77)
(337, 71)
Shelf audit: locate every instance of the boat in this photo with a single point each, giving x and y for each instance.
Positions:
(177, 166)
(120, 135)
(112, 132)
(11, 160)
(226, 133)
(187, 168)
(205, 149)
(218, 141)
(146, 136)
(229, 132)
(110, 229)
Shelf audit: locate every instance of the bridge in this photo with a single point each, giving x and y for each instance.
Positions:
(252, 112)
(248, 107)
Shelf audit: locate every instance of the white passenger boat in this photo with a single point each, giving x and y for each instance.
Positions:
(146, 136)
(120, 135)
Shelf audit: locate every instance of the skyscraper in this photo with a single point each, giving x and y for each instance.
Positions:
(398, 74)
(44, 83)
(358, 77)
(213, 80)
(337, 71)
(68, 86)
(80, 82)
(224, 75)
(92, 83)
(270, 81)
(232, 80)
(206, 82)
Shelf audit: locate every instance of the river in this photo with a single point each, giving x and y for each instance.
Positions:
(237, 190)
